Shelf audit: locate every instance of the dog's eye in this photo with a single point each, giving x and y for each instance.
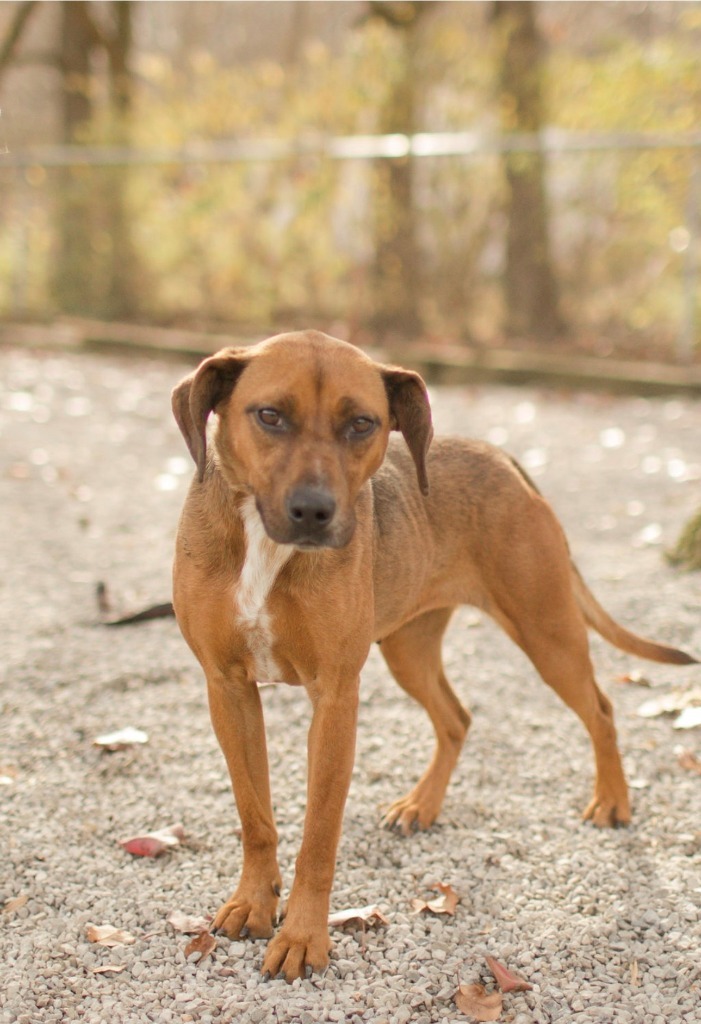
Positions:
(270, 417)
(361, 426)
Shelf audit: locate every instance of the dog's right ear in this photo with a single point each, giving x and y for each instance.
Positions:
(199, 394)
(410, 412)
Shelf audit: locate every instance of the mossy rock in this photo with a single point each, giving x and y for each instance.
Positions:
(687, 552)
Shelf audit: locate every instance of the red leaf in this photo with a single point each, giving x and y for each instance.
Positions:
(507, 981)
(152, 844)
(144, 846)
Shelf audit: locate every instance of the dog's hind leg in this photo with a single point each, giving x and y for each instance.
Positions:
(536, 606)
(560, 652)
(413, 654)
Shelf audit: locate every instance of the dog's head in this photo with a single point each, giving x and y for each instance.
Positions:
(303, 423)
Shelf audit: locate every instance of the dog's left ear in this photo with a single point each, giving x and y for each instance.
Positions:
(410, 412)
(199, 394)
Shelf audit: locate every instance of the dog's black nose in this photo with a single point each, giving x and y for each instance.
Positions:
(311, 509)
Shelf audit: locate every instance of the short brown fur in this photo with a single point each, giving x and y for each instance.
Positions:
(403, 536)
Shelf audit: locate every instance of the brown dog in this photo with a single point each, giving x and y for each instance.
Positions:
(304, 538)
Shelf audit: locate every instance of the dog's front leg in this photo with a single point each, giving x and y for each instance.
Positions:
(303, 943)
(237, 717)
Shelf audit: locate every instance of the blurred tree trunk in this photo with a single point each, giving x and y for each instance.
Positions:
(531, 293)
(14, 33)
(73, 281)
(687, 551)
(95, 270)
(121, 286)
(395, 273)
(299, 29)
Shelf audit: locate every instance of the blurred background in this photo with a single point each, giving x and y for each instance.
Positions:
(476, 174)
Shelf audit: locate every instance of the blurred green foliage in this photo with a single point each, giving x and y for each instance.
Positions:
(290, 242)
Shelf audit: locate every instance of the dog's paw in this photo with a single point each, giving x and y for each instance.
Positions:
(245, 916)
(414, 812)
(295, 953)
(608, 812)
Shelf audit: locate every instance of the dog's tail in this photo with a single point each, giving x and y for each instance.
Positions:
(610, 630)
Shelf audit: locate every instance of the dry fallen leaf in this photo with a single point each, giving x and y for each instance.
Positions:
(19, 471)
(152, 844)
(671, 703)
(507, 981)
(475, 1001)
(690, 718)
(635, 677)
(667, 704)
(120, 740)
(8, 774)
(358, 917)
(14, 904)
(108, 935)
(444, 904)
(188, 924)
(203, 944)
(688, 760)
(108, 969)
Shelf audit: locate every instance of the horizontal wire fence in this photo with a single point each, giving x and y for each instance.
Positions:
(354, 147)
(268, 231)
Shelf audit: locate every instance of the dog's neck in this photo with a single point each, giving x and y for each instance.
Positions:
(262, 564)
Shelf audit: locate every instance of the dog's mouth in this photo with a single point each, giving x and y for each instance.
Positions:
(308, 536)
(310, 542)
(316, 543)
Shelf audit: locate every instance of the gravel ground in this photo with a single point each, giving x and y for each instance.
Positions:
(605, 925)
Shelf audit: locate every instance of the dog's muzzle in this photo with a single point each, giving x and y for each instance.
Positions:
(310, 514)
(309, 517)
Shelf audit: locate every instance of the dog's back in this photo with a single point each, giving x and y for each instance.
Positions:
(476, 526)
(452, 546)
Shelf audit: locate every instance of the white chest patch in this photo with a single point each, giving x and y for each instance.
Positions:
(263, 561)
